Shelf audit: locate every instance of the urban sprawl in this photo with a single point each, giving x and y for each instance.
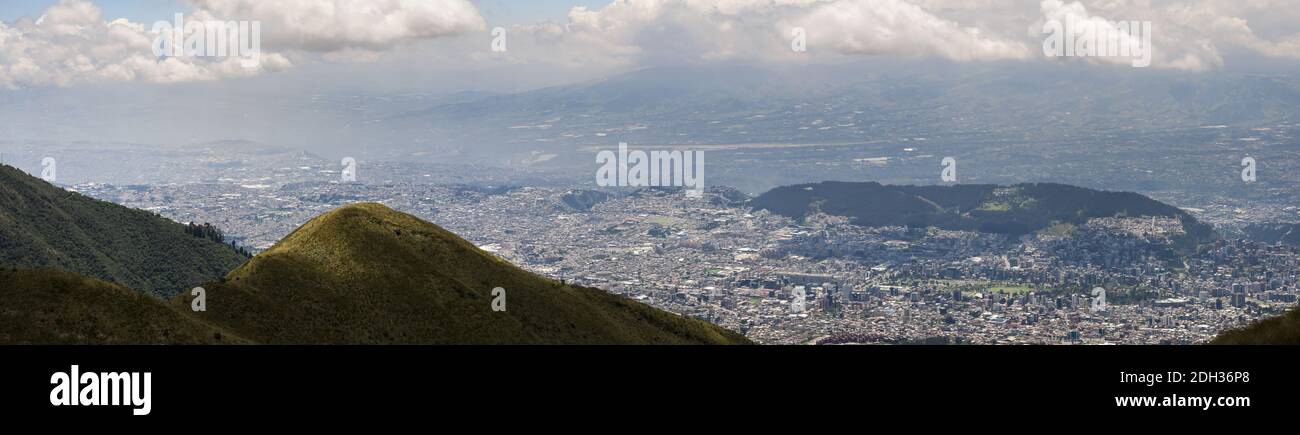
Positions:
(1109, 281)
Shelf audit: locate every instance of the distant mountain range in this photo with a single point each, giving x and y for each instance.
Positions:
(361, 274)
(45, 226)
(718, 103)
(1017, 209)
(739, 103)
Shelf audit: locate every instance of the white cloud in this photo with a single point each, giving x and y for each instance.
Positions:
(899, 28)
(666, 31)
(1225, 23)
(1084, 23)
(1192, 35)
(1189, 35)
(325, 26)
(71, 43)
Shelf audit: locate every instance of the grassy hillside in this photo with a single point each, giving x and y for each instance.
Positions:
(367, 274)
(44, 226)
(362, 274)
(1280, 330)
(1286, 234)
(47, 306)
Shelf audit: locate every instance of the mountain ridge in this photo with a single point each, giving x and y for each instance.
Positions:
(43, 225)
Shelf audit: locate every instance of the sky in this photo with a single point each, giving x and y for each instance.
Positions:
(507, 12)
(135, 10)
(70, 43)
(98, 61)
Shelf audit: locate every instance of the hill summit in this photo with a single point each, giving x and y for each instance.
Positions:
(365, 273)
(361, 274)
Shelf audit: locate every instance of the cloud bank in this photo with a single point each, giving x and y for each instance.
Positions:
(1188, 35)
(324, 26)
(73, 43)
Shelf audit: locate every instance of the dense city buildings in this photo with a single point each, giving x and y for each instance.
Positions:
(1115, 280)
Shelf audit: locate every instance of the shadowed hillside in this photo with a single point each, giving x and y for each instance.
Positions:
(44, 226)
(1280, 330)
(47, 306)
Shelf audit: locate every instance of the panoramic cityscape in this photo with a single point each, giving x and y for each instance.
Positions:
(495, 210)
(1110, 280)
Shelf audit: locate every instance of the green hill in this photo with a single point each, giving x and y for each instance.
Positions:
(367, 274)
(1280, 330)
(1018, 209)
(44, 226)
(362, 274)
(48, 306)
(1274, 233)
